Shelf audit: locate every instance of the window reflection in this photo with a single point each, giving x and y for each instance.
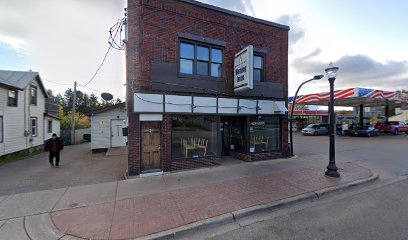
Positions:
(264, 133)
(194, 136)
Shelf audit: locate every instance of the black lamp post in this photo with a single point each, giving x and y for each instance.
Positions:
(317, 77)
(331, 72)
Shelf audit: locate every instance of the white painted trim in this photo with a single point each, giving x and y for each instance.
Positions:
(150, 117)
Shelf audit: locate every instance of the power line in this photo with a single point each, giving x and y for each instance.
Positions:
(100, 91)
(63, 84)
(116, 28)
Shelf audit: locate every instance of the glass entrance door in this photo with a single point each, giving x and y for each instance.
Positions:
(225, 136)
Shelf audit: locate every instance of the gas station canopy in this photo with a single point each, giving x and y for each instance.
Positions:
(353, 97)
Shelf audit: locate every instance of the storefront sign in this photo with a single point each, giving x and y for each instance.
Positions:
(243, 69)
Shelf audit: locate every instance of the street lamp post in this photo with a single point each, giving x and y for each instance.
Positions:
(317, 77)
(331, 72)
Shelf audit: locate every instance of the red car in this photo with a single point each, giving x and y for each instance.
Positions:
(393, 127)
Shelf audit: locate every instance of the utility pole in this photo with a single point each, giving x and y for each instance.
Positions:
(73, 115)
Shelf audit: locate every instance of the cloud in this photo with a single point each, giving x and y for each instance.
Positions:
(296, 32)
(64, 40)
(358, 71)
(241, 6)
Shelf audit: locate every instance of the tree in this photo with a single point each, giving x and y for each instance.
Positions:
(81, 120)
(85, 103)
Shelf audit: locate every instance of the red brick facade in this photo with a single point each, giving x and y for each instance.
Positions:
(154, 28)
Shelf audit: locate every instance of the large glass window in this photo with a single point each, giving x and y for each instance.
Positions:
(258, 68)
(197, 59)
(264, 133)
(12, 98)
(194, 136)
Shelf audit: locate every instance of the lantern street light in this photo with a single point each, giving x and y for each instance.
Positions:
(332, 170)
(317, 77)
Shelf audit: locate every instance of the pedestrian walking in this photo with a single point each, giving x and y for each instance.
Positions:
(54, 145)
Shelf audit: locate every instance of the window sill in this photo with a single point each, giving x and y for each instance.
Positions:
(200, 77)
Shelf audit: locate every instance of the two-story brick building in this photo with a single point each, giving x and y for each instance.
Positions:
(202, 83)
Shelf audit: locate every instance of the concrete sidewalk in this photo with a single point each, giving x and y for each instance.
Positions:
(143, 206)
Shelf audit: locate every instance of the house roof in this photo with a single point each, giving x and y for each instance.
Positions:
(52, 116)
(119, 105)
(20, 79)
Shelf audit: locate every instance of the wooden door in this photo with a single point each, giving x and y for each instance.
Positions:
(150, 146)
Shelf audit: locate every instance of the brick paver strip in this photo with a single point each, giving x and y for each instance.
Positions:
(145, 215)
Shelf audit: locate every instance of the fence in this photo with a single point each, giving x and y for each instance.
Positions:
(79, 135)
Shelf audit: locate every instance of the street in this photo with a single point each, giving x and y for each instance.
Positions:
(376, 211)
(379, 213)
(386, 153)
(78, 167)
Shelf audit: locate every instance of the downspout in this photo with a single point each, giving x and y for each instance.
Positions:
(25, 117)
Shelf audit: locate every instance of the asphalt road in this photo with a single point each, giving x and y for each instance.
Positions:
(387, 154)
(77, 167)
(378, 213)
(375, 211)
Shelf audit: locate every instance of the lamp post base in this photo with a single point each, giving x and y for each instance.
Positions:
(332, 171)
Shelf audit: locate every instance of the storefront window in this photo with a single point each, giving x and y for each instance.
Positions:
(264, 133)
(194, 136)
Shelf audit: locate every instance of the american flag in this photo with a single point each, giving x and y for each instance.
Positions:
(378, 94)
(338, 94)
(352, 92)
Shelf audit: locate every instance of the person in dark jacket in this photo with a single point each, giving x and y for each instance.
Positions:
(54, 145)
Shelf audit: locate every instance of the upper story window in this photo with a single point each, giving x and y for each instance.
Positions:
(33, 95)
(202, 60)
(12, 98)
(259, 67)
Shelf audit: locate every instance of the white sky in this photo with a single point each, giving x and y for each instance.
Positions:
(65, 40)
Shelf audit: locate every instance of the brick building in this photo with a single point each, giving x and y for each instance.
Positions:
(188, 103)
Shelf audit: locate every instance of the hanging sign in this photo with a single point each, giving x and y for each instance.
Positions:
(243, 69)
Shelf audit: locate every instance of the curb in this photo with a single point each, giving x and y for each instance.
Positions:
(202, 225)
(235, 216)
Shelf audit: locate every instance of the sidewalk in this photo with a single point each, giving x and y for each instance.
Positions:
(143, 206)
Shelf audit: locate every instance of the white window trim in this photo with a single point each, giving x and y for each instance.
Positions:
(36, 127)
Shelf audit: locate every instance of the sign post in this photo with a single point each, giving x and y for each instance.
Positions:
(243, 69)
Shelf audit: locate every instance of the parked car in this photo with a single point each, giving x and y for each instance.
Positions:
(394, 127)
(358, 131)
(315, 129)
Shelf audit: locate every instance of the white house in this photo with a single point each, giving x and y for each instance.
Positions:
(23, 117)
(106, 127)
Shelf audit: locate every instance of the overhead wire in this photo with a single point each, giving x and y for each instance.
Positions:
(113, 35)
